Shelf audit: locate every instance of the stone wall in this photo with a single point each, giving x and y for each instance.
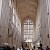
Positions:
(49, 19)
(38, 24)
(9, 33)
(0, 19)
(43, 18)
(4, 20)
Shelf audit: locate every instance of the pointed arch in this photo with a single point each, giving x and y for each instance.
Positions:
(28, 30)
(28, 17)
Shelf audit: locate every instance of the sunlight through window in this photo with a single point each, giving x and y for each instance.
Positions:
(28, 30)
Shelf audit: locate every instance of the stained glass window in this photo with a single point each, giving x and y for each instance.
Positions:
(28, 30)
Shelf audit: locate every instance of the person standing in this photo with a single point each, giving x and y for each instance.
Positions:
(47, 48)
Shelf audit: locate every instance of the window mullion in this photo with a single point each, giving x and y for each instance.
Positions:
(28, 27)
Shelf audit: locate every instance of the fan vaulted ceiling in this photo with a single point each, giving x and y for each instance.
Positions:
(27, 8)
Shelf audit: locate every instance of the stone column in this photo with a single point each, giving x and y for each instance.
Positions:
(4, 20)
(0, 20)
(44, 22)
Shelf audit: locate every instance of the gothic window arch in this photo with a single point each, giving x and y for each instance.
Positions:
(28, 30)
